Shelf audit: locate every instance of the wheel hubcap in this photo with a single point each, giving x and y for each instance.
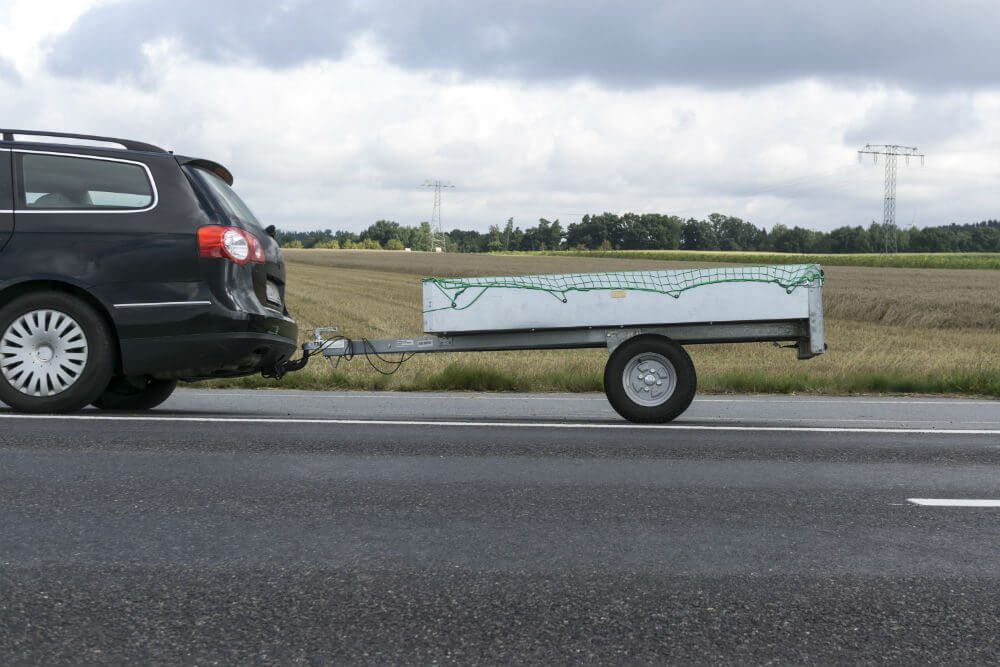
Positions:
(649, 379)
(43, 353)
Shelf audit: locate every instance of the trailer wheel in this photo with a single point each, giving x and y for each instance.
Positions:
(649, 379)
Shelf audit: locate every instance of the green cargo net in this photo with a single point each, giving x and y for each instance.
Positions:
(672, 282)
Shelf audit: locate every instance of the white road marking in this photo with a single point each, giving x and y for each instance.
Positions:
(858, 401)
(862, 421)
(332, 396)
(486, 424)
(954, 502)
(417, 396)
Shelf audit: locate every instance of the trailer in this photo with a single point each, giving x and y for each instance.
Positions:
(643, 318)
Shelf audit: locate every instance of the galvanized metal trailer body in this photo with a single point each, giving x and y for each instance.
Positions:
(648, 378)
(624, 298)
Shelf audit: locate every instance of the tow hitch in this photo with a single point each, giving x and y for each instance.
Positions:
(309, 350)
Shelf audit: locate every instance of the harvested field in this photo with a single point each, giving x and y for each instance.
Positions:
(933, 298)
(889, 329)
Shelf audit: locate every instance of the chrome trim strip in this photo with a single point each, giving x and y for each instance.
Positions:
(149, 177)
(6, 210)
(155, 304)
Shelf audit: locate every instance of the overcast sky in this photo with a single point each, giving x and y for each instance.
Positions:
(331, 114)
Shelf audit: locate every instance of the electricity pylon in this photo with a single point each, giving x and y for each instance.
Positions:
(890, 232)
(439, 240)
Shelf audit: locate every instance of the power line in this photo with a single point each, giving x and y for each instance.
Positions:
(891, 152)
(439, 241)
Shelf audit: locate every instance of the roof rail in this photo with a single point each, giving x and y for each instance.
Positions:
(128, 144)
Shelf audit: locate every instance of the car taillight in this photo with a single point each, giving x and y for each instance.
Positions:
(258, 249)
(230, 243)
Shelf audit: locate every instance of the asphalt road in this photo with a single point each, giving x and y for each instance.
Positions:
(282, 527)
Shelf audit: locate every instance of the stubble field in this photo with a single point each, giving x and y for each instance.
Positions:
(889, 329)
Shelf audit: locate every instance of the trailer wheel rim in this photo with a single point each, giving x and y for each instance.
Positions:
(649, 379)
(43, 353)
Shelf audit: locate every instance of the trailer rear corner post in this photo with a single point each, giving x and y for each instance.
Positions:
(815, 344)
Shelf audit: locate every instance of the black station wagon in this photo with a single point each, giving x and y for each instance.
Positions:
(125, 268)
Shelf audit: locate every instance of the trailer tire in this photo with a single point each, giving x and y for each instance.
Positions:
(650, 380)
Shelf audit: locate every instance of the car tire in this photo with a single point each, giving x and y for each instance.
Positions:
(56, 353)
(650, 379)
(135, 394)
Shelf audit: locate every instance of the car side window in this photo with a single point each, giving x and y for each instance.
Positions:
(62, 182)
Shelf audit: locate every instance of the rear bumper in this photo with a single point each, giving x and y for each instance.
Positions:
(252, 344)
(204, 356)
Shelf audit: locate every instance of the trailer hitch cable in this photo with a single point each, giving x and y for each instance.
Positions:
(369, 352)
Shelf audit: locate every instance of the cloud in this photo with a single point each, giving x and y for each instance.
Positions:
(341, 132)
(903, 118)
(113, 40)
(342, 144)
(740, 44)
(8, 72)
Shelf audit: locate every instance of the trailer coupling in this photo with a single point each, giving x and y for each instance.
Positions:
(309, 350)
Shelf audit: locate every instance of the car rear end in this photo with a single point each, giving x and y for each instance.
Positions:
(243, 326)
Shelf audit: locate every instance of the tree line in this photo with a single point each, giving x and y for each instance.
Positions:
(656, 231)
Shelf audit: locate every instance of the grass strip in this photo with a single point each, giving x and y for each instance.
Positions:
(473, 377)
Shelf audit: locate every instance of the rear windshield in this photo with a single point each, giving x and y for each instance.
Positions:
(223, 195)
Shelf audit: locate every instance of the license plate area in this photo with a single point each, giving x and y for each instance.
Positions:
(273, 294)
